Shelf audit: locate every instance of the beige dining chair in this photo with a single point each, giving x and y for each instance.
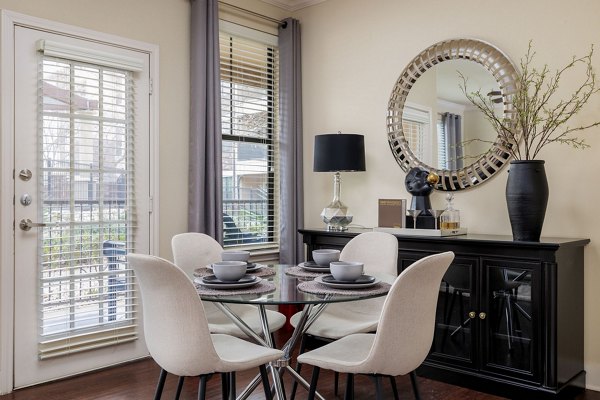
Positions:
(403, 337)
(192, 250)
(379, 253)
(177, 332)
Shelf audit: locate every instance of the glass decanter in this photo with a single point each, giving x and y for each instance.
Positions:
(450, 218)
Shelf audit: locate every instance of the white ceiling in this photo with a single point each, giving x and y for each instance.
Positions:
(293, 5)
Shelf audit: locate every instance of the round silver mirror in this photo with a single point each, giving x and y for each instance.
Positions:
(431, 124)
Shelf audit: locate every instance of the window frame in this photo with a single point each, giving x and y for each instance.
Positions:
(422, 116)
(271, 138)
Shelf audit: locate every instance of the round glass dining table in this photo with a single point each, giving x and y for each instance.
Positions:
(285, 292)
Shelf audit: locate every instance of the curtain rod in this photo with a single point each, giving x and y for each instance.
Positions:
(255, 14)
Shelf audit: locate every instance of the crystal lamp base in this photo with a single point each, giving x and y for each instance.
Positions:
(337, 217)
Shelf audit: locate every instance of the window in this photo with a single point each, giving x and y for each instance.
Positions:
(441, 135)
(86, 161)
(416, 122)
(249, 109)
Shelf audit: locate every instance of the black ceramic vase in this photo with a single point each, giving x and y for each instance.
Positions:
(526, 198)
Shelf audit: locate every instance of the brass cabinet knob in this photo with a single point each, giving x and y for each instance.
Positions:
(472, 314)
(482, 315)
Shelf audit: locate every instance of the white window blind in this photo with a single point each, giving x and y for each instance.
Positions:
(76, 53)
(441, 136)
(85, 160)
(413, 132)
(416, 128)
(250, 128)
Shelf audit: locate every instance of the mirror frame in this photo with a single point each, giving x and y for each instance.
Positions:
(503, 71)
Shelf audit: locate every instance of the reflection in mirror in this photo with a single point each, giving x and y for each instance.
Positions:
(411, 115)
(442, 127)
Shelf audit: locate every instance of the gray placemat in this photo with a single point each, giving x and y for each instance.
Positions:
(318, 288)
(261, 287)
(262, 272)
(302, 273)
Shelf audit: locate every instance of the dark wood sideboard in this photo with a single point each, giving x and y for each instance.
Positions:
(509, 318)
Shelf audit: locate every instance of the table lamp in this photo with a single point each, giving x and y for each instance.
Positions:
(338, 152)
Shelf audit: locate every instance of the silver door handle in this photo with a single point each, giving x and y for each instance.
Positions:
(27, 224)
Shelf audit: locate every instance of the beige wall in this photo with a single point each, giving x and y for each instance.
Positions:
(353, 52)
(476, 126)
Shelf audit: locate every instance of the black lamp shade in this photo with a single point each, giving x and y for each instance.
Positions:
(339, 152)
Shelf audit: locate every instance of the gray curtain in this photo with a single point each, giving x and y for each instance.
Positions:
(205, 206)
(290, 97)
(453, 131)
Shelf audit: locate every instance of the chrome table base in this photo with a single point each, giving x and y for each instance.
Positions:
(278, 367)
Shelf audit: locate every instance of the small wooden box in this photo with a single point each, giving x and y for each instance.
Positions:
(392, 213)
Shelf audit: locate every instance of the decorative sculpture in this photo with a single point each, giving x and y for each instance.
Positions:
(419, 182)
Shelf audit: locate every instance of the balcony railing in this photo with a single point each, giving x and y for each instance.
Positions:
(247, 221)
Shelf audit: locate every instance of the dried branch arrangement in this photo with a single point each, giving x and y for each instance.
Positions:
(537, 118)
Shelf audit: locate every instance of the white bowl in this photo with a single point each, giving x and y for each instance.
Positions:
(229, 271)
(346, 270)
(235, 255)
(325, 256)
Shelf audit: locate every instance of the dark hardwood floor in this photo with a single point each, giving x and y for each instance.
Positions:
(137, 380)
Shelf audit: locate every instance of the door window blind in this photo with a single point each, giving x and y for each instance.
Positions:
(86, 154)
(250, 128)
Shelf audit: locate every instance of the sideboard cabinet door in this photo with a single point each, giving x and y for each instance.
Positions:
(510, 294)
(456, 325)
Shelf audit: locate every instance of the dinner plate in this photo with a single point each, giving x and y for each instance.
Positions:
(362, 280)
(251, 267)
(211, 281)
(214, 279)
(313, 267)
(314, 264)
(346, 285)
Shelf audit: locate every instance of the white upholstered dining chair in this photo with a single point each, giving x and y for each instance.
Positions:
(404, 334)
(192, 250)
(379, 253)
(177, 332)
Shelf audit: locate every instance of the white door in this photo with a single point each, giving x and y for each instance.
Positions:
(82, 170)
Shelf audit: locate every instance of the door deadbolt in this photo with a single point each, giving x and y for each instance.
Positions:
(25, 199)
(25, 174)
